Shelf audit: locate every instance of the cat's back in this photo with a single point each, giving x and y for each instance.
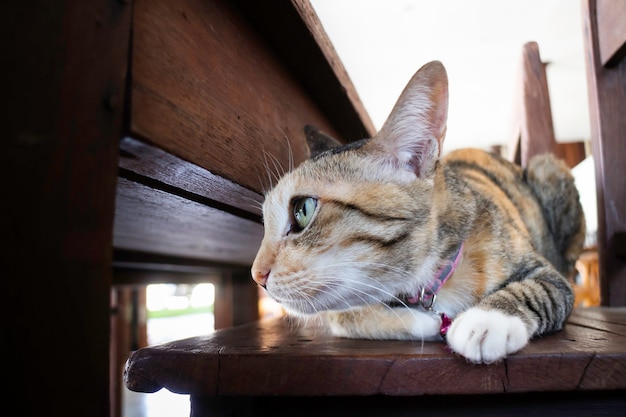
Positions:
(496, 185)
(484, 162)
(491, 177)
(543, 195)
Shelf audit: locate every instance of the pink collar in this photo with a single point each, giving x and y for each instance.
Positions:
(428, 295)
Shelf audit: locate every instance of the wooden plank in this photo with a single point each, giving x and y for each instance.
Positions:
(207, 89)
(153, 166)
(154, 221)
(609, 320)
(149, 275)
(532, 125)
(131, 267)
(311, 58)
(536, 127)
(611, 16)
(276, 357)
(607, 99)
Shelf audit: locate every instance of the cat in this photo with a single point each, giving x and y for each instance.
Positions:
(385, 239)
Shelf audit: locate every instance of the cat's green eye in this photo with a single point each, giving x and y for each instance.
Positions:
(303, 209)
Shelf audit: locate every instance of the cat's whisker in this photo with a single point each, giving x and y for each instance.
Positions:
(331, 291)
(378, 289)
(345, 280)
(357, 284)
(367, 299)
(289, 149)
(253, 203)
(268, 172)
(279, 170)
(304, 298)
(261, 180)
(369, 266)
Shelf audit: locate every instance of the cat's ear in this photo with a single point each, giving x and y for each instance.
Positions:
(318, 141)
(413, 134)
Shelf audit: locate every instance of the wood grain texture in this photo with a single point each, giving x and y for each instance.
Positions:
(607, 101)
(533, 120)
(277, 358)
(155, 167)
(310, 56)
(158, 222)
(209, 90)
(532, 125)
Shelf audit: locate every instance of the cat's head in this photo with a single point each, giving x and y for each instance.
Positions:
(354, 224)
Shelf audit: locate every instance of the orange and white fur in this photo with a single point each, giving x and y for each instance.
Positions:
(355, 232)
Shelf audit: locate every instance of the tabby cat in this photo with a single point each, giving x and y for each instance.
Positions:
(384, 239)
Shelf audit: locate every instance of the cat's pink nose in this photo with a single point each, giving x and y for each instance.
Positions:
(260, 276)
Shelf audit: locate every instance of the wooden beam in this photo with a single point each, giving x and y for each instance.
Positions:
(532, 125)
(64, 73)
(536, 127)
(311, 57)
(611, 17)
(208, 89)
(607, 101)
(150, 165)
(160, 222)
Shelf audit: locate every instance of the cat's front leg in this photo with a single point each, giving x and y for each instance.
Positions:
(487, 335)
(535, 303)
(383, 322)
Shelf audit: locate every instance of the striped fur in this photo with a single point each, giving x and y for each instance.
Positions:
(389, 212)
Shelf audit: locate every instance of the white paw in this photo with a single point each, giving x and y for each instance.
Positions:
(422, 326)
(486, 336)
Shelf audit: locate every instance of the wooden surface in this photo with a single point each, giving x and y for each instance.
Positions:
(314, 62)
(607, 101)
(151, 166)
(63, 76)
(534, 118)
(277, 358)
(533, 128)
(208, 89)
(167, 224)
(168, 206)
(611, 17)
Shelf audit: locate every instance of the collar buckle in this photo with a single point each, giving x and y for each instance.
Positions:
(427, 301)
(428, 295)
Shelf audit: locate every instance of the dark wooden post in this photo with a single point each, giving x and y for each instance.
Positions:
(236, 299)
(604, 24)
(63, 72)
(533, 130)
